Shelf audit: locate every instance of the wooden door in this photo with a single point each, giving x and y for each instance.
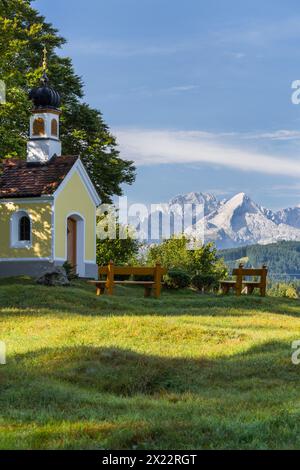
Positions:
(72, 242)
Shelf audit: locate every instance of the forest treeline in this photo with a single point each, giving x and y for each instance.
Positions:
(282, 258)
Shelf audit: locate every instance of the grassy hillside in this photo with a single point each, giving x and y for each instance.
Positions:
(186, 371)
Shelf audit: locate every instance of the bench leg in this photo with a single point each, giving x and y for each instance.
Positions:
(263, 291)
(100, 290)
(148, 291)
(225, 289)
(238, 290)
(110, 288)
(250, 290)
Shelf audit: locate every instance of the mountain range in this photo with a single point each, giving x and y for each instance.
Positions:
(237, 221)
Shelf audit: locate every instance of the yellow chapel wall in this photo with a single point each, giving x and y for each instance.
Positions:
(40, 215)
(74, 199)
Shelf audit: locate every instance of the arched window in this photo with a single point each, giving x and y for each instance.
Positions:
(24, 229)
(54, 130)
(21, 228)
(38, 127)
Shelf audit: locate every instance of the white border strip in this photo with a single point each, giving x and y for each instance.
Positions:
(29, 200)
(18, 260)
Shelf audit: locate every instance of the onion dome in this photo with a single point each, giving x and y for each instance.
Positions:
(44, 96)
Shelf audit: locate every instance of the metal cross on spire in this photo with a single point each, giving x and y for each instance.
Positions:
(45, 79)
(45, 52)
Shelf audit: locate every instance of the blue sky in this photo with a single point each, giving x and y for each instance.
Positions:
(197, 92)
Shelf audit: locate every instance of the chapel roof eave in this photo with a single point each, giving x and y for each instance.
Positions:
(21, 179)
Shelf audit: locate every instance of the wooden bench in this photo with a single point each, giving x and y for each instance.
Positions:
(240, 285)
(111, 271)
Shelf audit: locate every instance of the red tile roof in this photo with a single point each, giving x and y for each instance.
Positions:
(23, 179)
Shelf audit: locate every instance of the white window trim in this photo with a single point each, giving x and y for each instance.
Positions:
(14, 230)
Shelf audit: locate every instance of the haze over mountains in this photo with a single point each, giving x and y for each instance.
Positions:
(237, 221)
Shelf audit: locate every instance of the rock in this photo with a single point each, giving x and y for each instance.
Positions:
(54, 277)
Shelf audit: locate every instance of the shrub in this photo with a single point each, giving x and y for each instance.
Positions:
(180, 253)
(283, 290)
(172, 254)
(176, 279)
(204, 282)
(70, 271)
(122, 248)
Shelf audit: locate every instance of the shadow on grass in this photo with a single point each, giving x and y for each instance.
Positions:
(128, 373)
(86, 397)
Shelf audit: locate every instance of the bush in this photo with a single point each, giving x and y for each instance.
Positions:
(283, 290)
(177, 279)
(173, 254)
(122, 248)
(176, 254)
(70, 271)
(204, 282)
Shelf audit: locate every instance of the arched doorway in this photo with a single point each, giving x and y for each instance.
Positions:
(75, 243)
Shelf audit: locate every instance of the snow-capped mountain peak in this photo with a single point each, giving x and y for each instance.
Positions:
(210, 202)
(233, 222)
(240, 221)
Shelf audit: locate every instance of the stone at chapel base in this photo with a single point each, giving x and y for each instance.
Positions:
(54, 277)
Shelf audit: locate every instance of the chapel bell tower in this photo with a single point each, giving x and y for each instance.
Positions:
(44, 140)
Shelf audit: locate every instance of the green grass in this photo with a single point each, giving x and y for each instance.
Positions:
(183, 372)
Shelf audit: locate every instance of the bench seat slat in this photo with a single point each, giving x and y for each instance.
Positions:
(97, 282)
(251, 283)
(142, 283)
(245, 283)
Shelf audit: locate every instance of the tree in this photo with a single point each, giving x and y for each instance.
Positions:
(120, 249)
(175, 253)
(172, 254)
(205, 260)
(23, 34)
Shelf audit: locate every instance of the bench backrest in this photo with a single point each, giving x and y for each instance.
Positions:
(249, 272)
(131, 270)
(242, 272)
(112, 270)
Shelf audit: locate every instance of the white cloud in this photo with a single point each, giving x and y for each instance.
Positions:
(181, 88)
(236, 55)
(279, 135)
(155, 147)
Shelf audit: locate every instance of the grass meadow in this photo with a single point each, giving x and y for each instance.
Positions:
(187, 371)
